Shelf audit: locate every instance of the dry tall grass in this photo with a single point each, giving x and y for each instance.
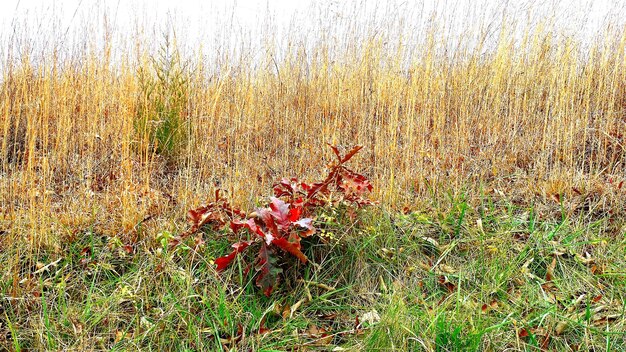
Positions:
(540, 113)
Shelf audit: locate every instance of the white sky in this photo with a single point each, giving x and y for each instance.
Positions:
(202, 21)
(252, 10)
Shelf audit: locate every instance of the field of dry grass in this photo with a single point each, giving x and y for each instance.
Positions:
(501, 133)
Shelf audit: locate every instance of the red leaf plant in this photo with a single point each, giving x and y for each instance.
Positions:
(279, 227)
(345, 184)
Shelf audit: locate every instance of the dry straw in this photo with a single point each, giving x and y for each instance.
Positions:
(527, 112)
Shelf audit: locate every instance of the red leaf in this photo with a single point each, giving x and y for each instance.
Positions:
(305, 186)
(268, 219)
(237, 225)
(289, 247)
(286, 187)
(335, 150)
(217, 195)
(306, 224)
(249, 224)
(86, 252)
(597, 299)
(351, 153)
(215, 214)
(224, 261)
(201, 216)
(348, 156)
(314, 189)
(295, 213)
(298, 203)
(193, 216)
(174, 242)
(280, 212)
(268, 272)
(523, 333)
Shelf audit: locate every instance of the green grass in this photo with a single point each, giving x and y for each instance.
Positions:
(462, 273)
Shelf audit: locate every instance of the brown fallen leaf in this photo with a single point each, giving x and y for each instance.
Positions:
(449, 286)
(286, 311)
(447, 269)
(295, 307)
(262, 329)
(560, 327)
(320, 335)
(606, 319)
(545, 343)
(488, 307)
(523, 333)
(550, 270)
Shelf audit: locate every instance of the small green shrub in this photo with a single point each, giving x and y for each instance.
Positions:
(163, 99)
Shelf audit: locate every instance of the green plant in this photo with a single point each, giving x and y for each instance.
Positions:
(277, 230)
(450, 338)
(163, 98)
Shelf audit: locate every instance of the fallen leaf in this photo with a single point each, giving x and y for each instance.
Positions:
(443, 281)
(586, 259)
(295, 307)
(286, 311)
(119, 335)
(262, 329)
(560, 327)
(321, 336)
(523, 333)
(550, 270)
(546, 342)
(447, 269)
(327, 316)
(606, 319)
(371, 317)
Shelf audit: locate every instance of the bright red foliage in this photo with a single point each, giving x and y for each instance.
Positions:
(284, 222)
